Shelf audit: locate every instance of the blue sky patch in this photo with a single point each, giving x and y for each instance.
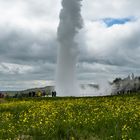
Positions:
(112, 21)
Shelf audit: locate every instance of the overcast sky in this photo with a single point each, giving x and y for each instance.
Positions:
(109, 43)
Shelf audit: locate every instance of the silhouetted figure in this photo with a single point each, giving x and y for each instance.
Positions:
(33, 94)
(44, 93)
(30, 94)
(53, 93)
(16, 95)
(1, 95)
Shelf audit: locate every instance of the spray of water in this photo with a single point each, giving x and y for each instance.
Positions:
(70, 24)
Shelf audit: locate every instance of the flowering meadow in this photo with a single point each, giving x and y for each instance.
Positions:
(87, 118)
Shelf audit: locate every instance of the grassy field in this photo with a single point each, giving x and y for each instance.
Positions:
(97, 118)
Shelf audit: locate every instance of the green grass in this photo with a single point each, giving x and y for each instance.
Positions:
(89, 118)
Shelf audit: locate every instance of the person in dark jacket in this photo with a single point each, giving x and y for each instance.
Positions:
(53, 93)
(33, 94)
(30, 94)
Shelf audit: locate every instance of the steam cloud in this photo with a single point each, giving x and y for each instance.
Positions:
(70, 24)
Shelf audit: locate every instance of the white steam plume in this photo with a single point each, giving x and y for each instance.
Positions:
(70, 24)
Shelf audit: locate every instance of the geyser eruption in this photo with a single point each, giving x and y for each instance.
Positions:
(70, 24)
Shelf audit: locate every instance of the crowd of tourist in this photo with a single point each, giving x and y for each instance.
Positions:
(29, 94)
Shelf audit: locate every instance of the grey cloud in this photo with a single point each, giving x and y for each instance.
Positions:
(121, 49)
(20, 46)
(24, 47)
(35, 44)
(116, 9)
(43, 9)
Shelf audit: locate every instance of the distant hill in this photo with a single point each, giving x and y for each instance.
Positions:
(47, 89)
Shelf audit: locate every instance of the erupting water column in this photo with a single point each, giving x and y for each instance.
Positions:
(70, 24)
